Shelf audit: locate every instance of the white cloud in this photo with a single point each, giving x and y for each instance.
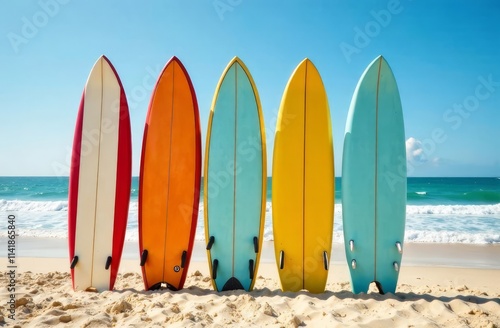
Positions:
(436, 161)
(422, 159)
(414, 151)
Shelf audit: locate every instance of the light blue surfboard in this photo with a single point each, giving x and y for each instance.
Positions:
(235, 180)
(374, 181)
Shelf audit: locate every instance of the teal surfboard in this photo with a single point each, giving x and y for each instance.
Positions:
(235, 180)
(374, 181)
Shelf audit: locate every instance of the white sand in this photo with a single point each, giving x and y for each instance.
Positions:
(440, 285)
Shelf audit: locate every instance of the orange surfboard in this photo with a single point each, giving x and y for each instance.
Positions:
(169, 182)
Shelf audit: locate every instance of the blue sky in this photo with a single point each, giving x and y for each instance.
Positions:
(445, 56)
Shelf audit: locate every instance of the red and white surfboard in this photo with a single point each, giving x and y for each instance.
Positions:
(99, 182)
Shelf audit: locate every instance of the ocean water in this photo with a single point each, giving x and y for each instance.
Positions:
(439, 210)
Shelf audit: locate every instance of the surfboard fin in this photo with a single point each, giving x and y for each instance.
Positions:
(74, 261)
(162, 285)
(325, 260)
(396, 266)
(256, 244)
(251, 268)
(183, 258)
(351, 245)
(399, 247)
(108, 263)
(379, 287)
(214, 269)
(144, 257)
(211, 241)
(353, 264)
(282, 259)
(232, 284)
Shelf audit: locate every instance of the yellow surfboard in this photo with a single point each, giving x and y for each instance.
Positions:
(303, 183)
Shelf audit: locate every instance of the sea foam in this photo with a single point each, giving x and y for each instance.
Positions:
(32, 206)
(470, 224)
